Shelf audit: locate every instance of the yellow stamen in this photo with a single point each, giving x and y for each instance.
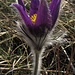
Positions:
(33, 18)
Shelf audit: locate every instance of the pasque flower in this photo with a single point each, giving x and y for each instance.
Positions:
(40, 21)
(37, 24)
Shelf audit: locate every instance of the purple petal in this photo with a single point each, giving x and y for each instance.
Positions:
(43, 16)
(21, 2)
(54, 7)
(23, 14)
(34, 6)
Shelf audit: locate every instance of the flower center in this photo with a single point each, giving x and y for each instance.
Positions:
(33, 18)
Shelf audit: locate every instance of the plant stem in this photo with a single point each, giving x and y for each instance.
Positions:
(37, 63)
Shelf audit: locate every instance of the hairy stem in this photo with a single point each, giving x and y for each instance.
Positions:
(37, 63)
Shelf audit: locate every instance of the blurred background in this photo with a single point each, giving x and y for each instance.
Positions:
(16, 57)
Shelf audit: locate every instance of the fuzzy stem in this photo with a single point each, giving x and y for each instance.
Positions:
(37, 63)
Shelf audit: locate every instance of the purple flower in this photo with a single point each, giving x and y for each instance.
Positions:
(41, 20)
